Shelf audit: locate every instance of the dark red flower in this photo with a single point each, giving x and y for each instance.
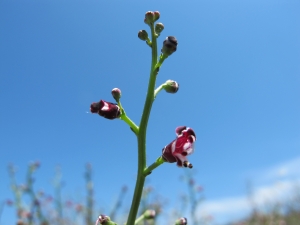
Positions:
(106, 109)
(182, 146)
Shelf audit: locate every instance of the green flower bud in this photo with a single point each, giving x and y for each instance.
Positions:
(149, 214)
(143, 35)
(159, 28)
(104, 220)
(156, 16)
(181, 221)
(116, 93)
(171, 86)
(149, 17)
(169, 45)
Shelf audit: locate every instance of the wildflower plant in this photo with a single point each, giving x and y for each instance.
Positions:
(176, 151)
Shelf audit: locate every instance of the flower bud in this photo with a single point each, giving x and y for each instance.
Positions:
(20, 222)
(143, 35)
(171, 86)
(104, 220)
(149, 17)
(159, 28)
(106, 109)
(182, 146)
(169, 45)
(156, 16)
(181, 221)
(116, 93)
(149, 214)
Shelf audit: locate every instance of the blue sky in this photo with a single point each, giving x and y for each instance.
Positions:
(237, 64)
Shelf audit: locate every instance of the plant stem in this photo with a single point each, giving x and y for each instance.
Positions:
(131, 124)
(127, 120)
(157, 90)
(142, 135)
(154, 165)
(139, 219)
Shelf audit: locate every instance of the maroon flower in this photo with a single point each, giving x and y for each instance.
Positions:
(106, 109)
(182, 146)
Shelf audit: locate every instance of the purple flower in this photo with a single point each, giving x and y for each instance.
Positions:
(106, 109)
(182, 146)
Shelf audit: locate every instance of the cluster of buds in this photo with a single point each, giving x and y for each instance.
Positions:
(182, 146)
(169, 44)
(151, 17)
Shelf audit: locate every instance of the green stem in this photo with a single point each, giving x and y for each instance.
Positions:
(161, 60)
(153, 166)
(157, 90)
(142, 135)
(149, 43)
(127, 120)
(139, 219)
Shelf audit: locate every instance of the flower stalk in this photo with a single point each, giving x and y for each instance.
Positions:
(142, 133)
(153, 166)
(176, 151)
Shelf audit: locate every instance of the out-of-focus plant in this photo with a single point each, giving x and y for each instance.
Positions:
(57, 182)
(285, 212)
(119, 202)
(191, 200)
(194, 197)
(31, 214)
(151, 200)
(90, 195)
(178, 149)
(44, 209)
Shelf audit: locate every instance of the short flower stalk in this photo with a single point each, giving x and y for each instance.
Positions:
(154, 165)
(169, 86)
(147, 215)
(176, 151)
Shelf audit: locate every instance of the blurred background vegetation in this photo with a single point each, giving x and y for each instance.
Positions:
(34, 207)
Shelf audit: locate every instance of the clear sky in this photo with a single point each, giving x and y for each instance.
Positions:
(238, 66)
